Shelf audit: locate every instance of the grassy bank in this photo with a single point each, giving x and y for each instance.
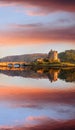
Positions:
(54, 64)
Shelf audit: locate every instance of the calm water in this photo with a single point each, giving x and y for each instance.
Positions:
(37, 98)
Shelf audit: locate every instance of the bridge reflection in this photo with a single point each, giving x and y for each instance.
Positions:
(28, 72)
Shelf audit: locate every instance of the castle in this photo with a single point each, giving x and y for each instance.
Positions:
(53, 56)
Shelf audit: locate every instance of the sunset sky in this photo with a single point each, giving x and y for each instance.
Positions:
(36, 26)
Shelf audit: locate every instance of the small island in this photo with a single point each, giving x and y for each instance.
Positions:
(53, 59)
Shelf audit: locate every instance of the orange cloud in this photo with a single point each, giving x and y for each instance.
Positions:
(37, 33)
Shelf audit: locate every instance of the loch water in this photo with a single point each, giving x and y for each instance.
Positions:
(37, 98)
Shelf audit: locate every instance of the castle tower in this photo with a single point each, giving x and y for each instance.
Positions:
(53, 55)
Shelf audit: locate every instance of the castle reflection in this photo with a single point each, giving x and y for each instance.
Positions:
(51, 73)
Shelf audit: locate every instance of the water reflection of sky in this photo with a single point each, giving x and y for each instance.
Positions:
(43, 82)
(13, 116)
(22, 98)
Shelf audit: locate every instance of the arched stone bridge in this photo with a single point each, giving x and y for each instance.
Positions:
(13, 64)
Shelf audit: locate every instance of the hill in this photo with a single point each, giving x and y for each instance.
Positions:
(26, 57)
(67, 56)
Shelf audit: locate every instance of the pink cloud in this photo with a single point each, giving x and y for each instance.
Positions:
(36, 98)
(44, 125)
(45, 6)
(37, 33)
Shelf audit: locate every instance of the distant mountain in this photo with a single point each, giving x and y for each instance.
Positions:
(67, 56)
(26, 57)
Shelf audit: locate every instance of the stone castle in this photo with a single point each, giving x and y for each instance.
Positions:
(53, 56)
